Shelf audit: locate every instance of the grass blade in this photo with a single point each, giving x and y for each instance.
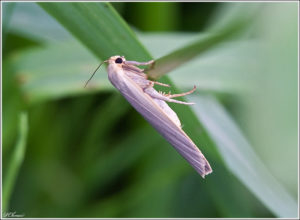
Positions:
(24, 23)
(241, 159)
(234, 73)
(56, 71)
(226, 31)
(99, 27)
(15, 161)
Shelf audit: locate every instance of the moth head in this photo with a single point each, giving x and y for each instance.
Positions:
(116, 59)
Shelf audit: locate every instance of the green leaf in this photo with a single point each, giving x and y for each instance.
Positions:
(24, 19)
(240, 158)
(57, 70)
(61, 70)
(228, 68)
(15, 161)
(100, 28)
(8, 9)
(216, 35)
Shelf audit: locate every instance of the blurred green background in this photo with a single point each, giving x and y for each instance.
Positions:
(74, 152)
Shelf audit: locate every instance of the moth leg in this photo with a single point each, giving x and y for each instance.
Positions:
(138, 63)
(157, 95)
(181, 94)
(159, 83)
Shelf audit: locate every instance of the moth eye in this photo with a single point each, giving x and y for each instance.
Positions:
(119, 60)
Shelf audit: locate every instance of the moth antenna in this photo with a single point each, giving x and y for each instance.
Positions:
(94, 73)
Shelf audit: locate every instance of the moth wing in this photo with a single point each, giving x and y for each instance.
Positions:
(151, 111)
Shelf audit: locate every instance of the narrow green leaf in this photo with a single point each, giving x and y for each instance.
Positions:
(228, 68)
(99, 27)
(24, 23)
(57, 70)
(241, 159)
(8, 8)
(60, 70)
(15, 161)
(204, 43)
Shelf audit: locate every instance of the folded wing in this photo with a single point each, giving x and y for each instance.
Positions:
(153, 113)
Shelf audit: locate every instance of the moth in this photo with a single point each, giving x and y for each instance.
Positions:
(133, 84)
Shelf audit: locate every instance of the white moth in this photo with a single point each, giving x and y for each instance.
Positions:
(133, 84)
